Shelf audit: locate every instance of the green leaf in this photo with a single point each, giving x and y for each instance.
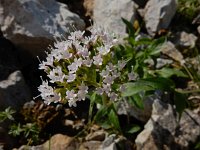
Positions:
(137, 101)
(114, 119)
(180, 101)
(7, 114)
(15, 130)
(130, 27)
(168, 72)
(149, 84)
(197, 146)
(92, 101)
(133, 129)
(100, 113)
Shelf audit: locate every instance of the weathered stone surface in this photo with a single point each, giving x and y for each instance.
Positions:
(160, 62)
(158, 15)
(170, 50)
(61, 142)
(185, 40)
(32, 24)
(96, 136)
(91, 145)
(163, 131)
(14, 92)
(108, 14)
(198, 29)
(9, 61)
(89, 6)
(125, 108)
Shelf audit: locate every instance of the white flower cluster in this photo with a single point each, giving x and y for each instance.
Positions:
(80, 62)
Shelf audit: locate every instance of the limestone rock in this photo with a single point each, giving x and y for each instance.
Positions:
(14, 92)
(170, 50)
(89, 6)
(163, 131)
(91, 145)
(185, 40)
(198, 29)
(32, 24)
(9, 59)
(96, 136)
(158, 14)
(125, 108)
(108, 14)
(61, 142)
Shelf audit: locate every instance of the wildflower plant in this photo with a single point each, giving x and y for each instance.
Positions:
(101, 67)
(81, 65)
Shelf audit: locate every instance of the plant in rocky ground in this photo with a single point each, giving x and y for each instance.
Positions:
(7, 114)
(98, 66)
(29, 131)
(188, 8)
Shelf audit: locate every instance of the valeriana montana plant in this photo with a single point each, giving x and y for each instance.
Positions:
(98, 66)
(83, 64)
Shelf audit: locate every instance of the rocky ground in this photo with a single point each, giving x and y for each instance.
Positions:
(28, 27)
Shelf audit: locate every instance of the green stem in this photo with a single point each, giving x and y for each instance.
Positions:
(104, 100)
(187, 70)
(187, 91)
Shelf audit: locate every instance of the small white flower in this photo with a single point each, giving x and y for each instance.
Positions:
(78, 62)
(45, 89)
(113, 96)
(121, 64)
(108, 80)
(72, 67)
(115, 74)
(105, 73)
(99, 91)
(132, 76)
(56, 75)
(76, 35)
(70, 95)
(122, 88)
(47, 93)
(83, 90)
(97, 60)
(72, 102)
(110, 67)
(107, 88)
(71, 77)
(45, 64)
(103, 50)
(84, 52)
(87, 62)
(66, 54)
(83, 87)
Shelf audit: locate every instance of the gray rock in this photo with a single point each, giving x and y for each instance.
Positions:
(9, 61)
(32, 24)
(185, 40)
(14, 92)
(57, 142)
(158, 14)
(125, 108)
(163, 131)
(91, 145)
(170, 50)
(108, 14)
(198, 29)
(96, 136)
(160, 62)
